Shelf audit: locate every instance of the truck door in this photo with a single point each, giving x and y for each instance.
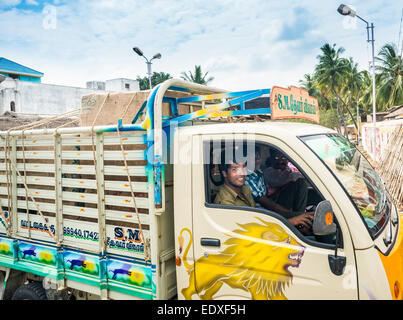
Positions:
(243, 252)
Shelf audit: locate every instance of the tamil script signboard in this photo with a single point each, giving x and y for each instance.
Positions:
(293, 103)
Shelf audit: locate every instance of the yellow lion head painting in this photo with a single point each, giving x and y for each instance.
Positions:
(257, 261)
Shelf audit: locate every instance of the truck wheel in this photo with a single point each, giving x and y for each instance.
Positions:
(30, 291)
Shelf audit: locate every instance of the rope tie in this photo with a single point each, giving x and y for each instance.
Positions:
(147, 255)
(146, 247)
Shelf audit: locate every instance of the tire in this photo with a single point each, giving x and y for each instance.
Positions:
(30, 291)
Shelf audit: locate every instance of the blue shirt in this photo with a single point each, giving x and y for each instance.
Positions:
(255, 181)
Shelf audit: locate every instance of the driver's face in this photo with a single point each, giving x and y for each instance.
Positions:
(279, 161)
(235, 175)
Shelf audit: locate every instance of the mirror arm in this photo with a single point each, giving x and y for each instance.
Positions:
(337, 263)
(337, 241)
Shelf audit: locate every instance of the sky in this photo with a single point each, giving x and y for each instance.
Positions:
(249, 44)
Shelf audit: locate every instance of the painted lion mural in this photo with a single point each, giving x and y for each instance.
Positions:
(257, 267)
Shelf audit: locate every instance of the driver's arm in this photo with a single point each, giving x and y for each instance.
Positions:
(304, 219)
(269, 204)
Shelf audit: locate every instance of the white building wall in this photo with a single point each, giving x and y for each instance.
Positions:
(41, 98)
(122, 84)
(383, 132)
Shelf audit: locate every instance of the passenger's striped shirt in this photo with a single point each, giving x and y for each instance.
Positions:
(255, 181)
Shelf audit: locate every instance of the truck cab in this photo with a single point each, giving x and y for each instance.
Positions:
(243, 252)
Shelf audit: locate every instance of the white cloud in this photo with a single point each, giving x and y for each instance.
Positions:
(31, 2)
(9, 3)
(222, 63)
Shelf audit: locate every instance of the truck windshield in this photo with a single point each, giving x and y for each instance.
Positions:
(356, 175)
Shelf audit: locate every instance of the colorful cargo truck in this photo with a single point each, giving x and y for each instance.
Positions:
(130, 211)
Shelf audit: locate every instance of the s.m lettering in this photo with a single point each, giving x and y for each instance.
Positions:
(119, 233)
(280, 102)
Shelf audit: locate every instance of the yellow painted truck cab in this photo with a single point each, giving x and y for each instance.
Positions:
(229, 251)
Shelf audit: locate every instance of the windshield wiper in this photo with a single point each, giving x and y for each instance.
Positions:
(383, 204)
(395, 218)
(388, 239)
(384, 198)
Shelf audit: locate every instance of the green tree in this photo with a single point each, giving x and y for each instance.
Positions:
(354, 85)
(309, 85)
(365, 99)
(332, 72)
(196, 76)
(156, 78)
(329, 118)
(314, 90)
(389, 77)
(341, 87)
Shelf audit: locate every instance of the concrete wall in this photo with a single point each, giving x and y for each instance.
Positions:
(122, 84)
(382, 134)
(40, 98)
(97, 85)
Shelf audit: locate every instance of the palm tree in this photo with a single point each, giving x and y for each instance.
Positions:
(354, 81)
(389, 77)
(328, 115)
(331, 69)
(365, 97)
(156, 78)
(309, 85)
(354, 85)
(197, 76)
(332, 72)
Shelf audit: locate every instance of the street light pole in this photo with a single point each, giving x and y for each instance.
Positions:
(149, 73)
(148, 62)
(347, 11)
(373, 89)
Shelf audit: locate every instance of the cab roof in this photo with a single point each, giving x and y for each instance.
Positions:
(275, 128)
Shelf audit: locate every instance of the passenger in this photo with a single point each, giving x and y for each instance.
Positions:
(255, 181)
(285, 186)
(234, 191)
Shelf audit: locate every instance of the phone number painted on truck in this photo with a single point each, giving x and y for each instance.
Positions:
(119, 239)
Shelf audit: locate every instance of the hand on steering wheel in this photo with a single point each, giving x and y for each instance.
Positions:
(304, 219)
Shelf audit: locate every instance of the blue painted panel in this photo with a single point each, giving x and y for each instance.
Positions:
(31, 79)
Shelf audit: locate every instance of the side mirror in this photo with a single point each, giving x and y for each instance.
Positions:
(323, 221)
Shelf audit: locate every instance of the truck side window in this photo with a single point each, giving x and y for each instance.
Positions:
(258, 175)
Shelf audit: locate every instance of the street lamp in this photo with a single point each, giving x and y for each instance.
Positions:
(148, 62)
(347, 11)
